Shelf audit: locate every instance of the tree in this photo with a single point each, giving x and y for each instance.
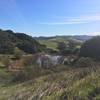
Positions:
(9, 40)
(61, 46)
(72, 44)
(91, 48)
(6, 47)
(18, 53)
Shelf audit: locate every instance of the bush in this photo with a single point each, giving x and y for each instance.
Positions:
(28, 72)
(84, 62)
(91, 48)
(5, 61)
(29, 60)
(18, 53)
(30, 69)
(61, 46)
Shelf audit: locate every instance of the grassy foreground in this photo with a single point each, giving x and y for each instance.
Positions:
(64, 83)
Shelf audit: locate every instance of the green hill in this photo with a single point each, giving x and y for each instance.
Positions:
(52, 42)
(9, 40)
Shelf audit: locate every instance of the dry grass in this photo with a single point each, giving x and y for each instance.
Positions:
(62, 83)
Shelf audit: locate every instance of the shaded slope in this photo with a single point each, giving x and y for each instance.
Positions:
(9, 40)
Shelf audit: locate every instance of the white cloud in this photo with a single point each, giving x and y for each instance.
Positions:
(94, 33)
(75, 20)
(62, 23)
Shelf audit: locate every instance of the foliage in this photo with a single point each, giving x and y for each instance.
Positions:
(72, 44)
(5, 61)
(52, 42)
(69, 48)
(61, 46)
(65, 84)
(29, 60)
(91, 48)
(18, 53)
(9, 40)
(85, 62)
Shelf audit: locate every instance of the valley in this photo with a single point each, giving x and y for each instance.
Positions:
(53, 68)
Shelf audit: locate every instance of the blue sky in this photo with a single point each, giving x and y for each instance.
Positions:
(51, 17)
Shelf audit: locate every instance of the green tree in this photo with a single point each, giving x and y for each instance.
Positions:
(18, 53)
(72, 44)
(91, 48)
(61, 46)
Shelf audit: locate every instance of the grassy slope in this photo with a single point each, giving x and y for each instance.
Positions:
(49, 44)
(63, 84)
(53, 42)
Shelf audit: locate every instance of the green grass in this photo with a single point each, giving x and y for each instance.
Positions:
(5, 76)
(63, 83)
(49, 44)
(53, 42)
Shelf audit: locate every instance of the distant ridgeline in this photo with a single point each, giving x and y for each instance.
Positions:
(10, 40)
(81, 38)
(53, 41)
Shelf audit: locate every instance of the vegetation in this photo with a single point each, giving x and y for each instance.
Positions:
(61, 46)
(60, 83)
(53, 42)
(10, 40)
(91, 48)
(18, 53)
(85, 62)
(78, 79)
(69, 48)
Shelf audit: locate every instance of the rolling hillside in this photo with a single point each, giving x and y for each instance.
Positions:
(52, 42)
(10, 40)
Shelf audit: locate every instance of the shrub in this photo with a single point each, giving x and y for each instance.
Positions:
(91, 48)
(5, 61)
(29, 60)
(30, 69)
(18, 53)
(28, 72)
(84, 62)
(61, 46)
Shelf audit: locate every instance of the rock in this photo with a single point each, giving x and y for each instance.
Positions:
(47, 61)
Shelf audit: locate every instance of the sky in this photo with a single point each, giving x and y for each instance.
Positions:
(51, 17)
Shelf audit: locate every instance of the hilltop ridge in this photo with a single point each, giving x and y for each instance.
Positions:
(9, 40)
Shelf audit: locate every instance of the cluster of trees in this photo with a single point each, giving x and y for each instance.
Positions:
(10, 40)
(69, 48)
(91, 48)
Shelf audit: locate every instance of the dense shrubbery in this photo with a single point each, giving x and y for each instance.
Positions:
(6, 46)
(68, 48)
(30, 69)
(4, 61)
(91, 48)
(29, 60)
(18, 53)
(29, 72)
(9, 40)
(85, 62)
